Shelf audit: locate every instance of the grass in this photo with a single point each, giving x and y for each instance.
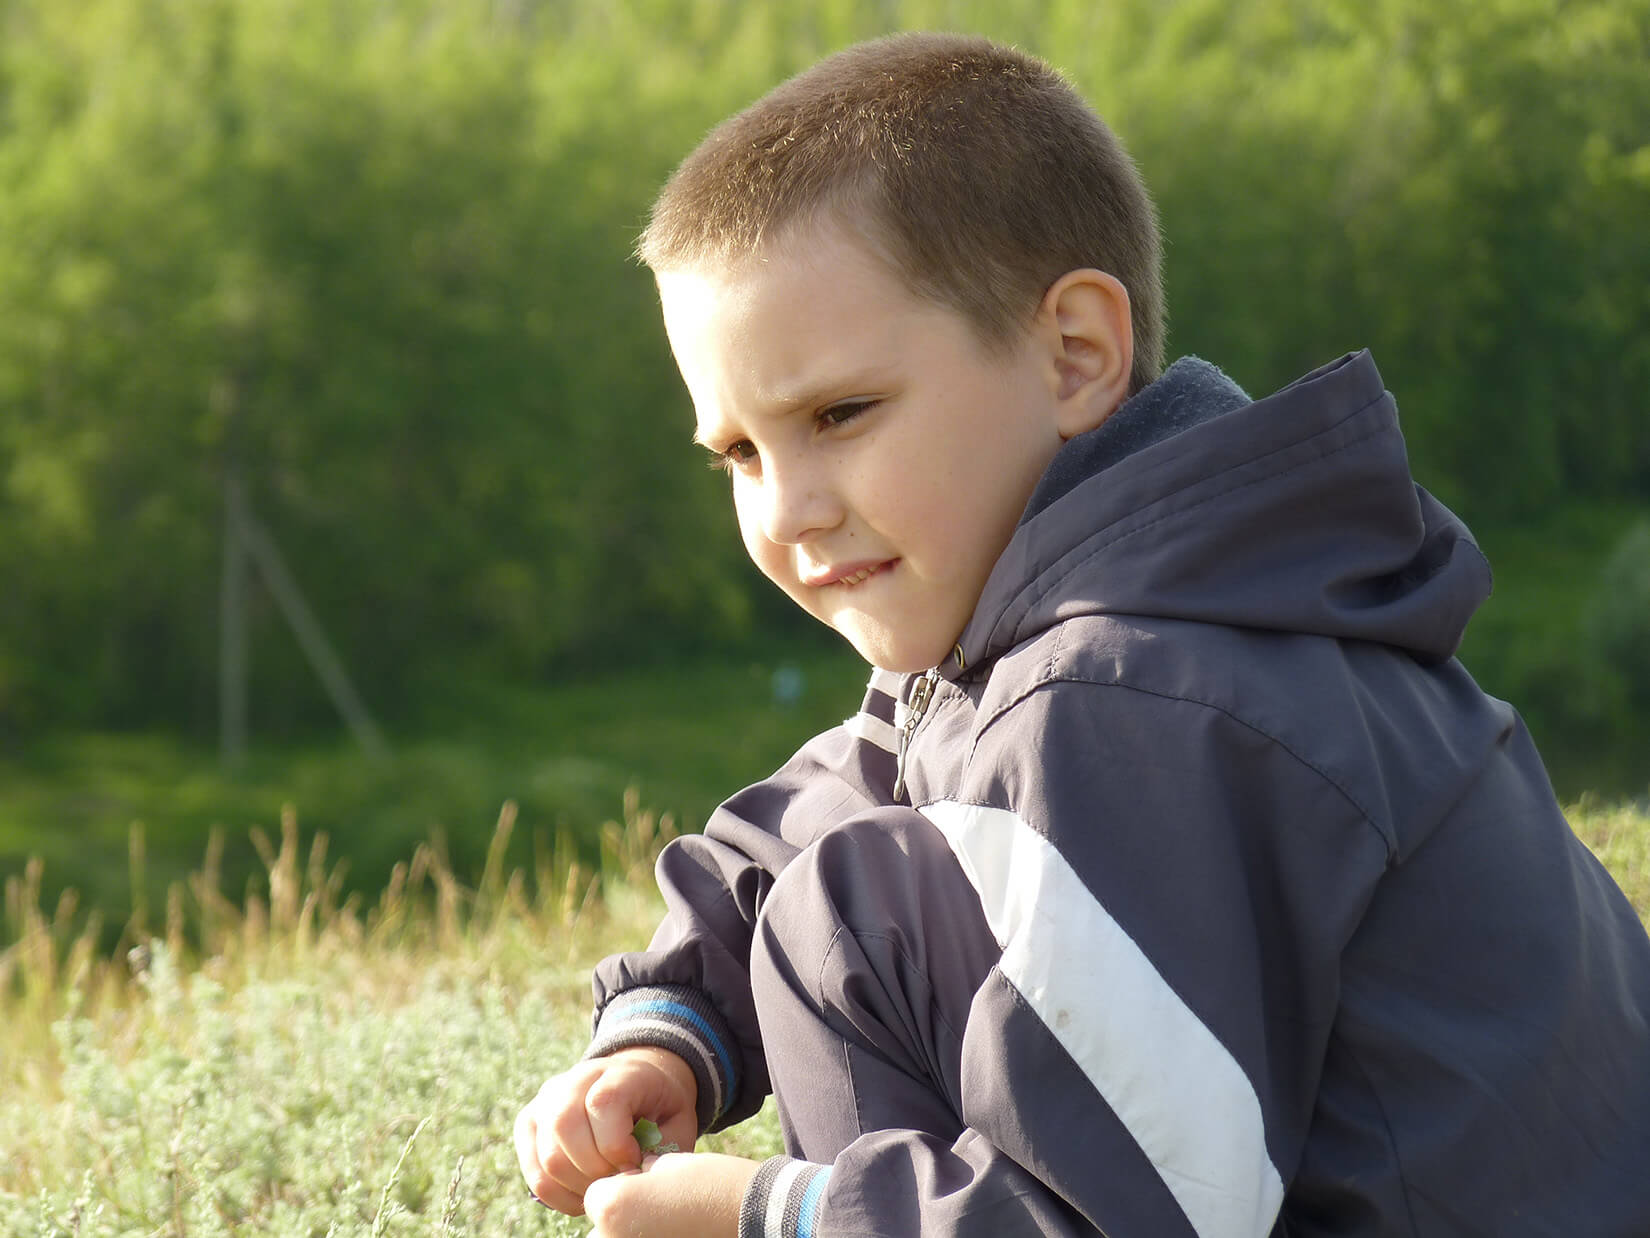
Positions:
(1619, 835)
(565, 754)
(317, 1064)
(323, 1064)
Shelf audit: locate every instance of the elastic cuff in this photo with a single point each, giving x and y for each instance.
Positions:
(783, 1199)
(679, 1019)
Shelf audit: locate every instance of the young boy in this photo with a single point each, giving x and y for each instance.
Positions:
(1174, 878)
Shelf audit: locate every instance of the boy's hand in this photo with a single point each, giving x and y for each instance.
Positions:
(681, 1195)
(578, 1128)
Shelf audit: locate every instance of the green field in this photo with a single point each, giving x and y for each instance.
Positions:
(318, 1068)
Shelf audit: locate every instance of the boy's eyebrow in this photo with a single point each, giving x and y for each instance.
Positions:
(814, 395)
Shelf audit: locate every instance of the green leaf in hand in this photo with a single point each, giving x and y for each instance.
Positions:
(647, 1134)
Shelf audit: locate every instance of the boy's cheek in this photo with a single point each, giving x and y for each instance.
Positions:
(771, 559)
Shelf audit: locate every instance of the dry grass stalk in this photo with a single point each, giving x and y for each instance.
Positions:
(54, 963)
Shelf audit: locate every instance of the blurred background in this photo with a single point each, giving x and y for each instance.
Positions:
(343, 464)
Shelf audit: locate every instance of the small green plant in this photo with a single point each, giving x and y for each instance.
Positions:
(651, 1140)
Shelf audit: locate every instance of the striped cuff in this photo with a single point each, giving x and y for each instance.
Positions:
(679, 1019)
(783, 1199)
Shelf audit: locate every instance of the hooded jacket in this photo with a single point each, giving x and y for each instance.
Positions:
(1295, 939)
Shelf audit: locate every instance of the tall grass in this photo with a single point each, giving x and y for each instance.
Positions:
(305, 1063)
(1619, 835)
(313, 1063)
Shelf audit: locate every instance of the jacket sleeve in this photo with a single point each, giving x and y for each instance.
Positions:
(690, 990)
(1172, 889)
(906, 1183)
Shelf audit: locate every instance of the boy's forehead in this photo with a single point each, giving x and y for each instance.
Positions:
(786, 326)
(825, 248)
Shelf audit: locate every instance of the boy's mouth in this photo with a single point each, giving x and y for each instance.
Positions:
(848, 574)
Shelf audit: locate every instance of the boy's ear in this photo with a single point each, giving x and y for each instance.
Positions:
(1086, 315)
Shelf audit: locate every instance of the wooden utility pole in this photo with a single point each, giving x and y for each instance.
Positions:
(232, 647)
(247, 543)
(322, 659)
(232, 660)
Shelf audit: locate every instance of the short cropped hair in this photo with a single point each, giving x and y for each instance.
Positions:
(976, 171)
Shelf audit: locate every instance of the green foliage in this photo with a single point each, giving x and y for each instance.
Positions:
(373, 254)
(652, 1142)
(1540, 643)
(1450, 184)
(377, 254)
(1618, 617)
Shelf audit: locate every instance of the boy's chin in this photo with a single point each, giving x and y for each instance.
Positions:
(887, 652)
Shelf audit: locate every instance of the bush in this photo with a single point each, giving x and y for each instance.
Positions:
(1617, 624)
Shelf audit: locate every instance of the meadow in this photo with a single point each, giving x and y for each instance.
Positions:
(310, 1064)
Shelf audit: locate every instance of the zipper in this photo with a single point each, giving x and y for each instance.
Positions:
(921, 693)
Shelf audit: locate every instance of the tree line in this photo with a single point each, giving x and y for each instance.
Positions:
(371, 259)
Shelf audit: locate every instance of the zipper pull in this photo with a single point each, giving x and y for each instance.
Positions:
(921, 693)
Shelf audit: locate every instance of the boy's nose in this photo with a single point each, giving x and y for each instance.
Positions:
(795, 507)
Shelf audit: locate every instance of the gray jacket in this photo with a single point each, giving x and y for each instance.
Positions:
(1295, 939)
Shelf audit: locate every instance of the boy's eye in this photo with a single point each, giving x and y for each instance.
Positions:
(733, 456)
(838, 414)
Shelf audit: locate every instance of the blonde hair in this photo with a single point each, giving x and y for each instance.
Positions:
(976, 171)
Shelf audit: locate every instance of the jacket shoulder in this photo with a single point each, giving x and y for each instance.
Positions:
(1399, 740)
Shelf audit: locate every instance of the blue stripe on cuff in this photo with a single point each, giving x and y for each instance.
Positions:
(810, 1203)
(687, 1015)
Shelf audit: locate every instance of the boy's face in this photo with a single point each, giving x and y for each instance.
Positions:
(880, 456)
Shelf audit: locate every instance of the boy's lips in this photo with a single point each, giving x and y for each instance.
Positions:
(846, 574)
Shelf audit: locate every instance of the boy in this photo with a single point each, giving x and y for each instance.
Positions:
(1174, 878)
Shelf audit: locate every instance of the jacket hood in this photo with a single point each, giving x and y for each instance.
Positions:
(1293, 513)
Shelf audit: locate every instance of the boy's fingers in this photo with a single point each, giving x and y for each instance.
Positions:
(568, 1150)
(682, 1130)
(553, 1195)
(612, 1122)
(554, 1146)
(527, 1145)
(539, 1181)
(534, 1148)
